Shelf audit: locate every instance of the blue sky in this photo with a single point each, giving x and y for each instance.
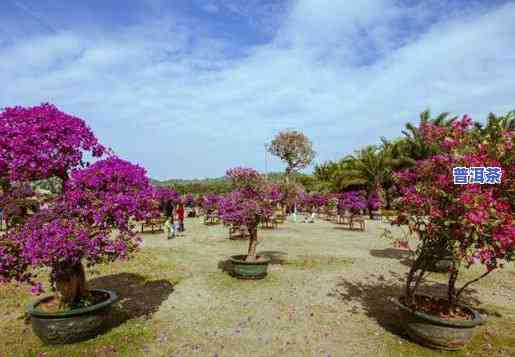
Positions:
(190, 88)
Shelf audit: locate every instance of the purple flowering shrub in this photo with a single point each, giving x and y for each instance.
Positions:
(319, 200)
(210, 202)
(88, 222)
(305, 201)
(354, 201)
(248, 205)
(374, 202)
(188, 200)
(41, 142)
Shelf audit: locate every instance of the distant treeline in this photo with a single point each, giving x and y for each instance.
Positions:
(221, 185)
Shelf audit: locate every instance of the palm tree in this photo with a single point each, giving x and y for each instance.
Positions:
(414, 147)
(372, 165)
(495, 123)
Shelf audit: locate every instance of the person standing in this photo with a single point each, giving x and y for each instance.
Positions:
(180, 216)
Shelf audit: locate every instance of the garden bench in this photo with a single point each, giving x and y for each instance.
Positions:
(270, 223)
(280, 218)
(234, 229)
(211, 218)
(358, 220)
(351, 220)
(344, 219)
(153, 223)
(376, 215)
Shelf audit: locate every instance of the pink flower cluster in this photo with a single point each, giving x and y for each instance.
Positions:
(476, 219)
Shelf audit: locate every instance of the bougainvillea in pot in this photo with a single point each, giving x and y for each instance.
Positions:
(247, 206)
(88, 222)
(472, 222)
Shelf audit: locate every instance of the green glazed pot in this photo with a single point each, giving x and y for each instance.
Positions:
(73, 325)
(437, 333)
(249, 270)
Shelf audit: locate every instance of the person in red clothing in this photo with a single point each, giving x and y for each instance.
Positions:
(180, 216)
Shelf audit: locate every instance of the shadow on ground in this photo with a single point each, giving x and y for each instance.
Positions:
(348, 229)
(275, 256)
(226, 266)
(372, 296)
(138, 297)
(403, 256)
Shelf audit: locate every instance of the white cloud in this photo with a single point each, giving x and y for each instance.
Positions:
(173, 98)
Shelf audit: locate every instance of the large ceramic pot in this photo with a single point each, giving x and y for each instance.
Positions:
(73, 325)
(434, 332)
(249, 270)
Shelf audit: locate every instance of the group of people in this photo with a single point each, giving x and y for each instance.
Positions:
(174, 219)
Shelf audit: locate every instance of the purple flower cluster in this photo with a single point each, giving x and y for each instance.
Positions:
(274, 194)
(353, 201)
(98, 200)
(251, 200)
(319, 200)
(167, 194)
(244, 178)
(210, 202)
(236, 209)
(188, 200)
(374, 203)
(41, 142)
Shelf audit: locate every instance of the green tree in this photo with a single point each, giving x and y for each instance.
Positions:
(294, 148)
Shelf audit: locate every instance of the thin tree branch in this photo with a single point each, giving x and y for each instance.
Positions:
(471, 282)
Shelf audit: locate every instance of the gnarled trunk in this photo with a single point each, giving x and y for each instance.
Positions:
(251, 255)
(70, 285)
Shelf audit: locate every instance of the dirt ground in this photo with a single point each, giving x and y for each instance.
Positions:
(327, 294)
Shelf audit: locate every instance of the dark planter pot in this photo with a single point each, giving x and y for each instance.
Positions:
(437, 333)
(249, 270)
(442, 265)
(73, 325)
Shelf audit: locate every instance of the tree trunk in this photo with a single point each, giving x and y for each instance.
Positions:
(70, 285)
(379, 191)
(451, 286)
(251, 256)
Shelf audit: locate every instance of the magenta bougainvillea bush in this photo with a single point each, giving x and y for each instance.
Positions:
(167, 194)
(188, 200)
(311, 201)
(274, 194)
(247, 205)
(209, 202)
(473, 223)
(88, 222)
(353, 201)
(374, 202)
(41, 142)
(319, 200)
